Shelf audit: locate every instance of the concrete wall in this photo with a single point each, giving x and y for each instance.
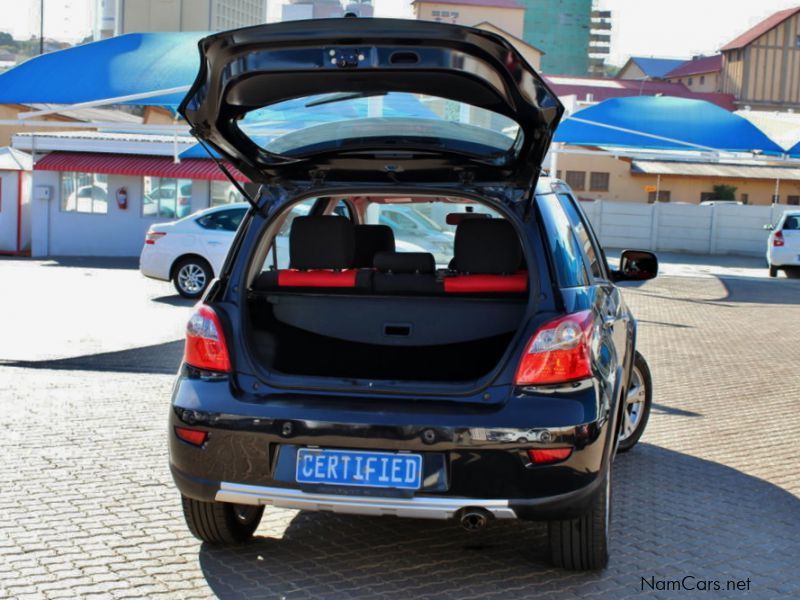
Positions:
(117, 233)
(719, 229)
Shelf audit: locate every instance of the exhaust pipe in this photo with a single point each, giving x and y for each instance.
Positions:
(474, 519)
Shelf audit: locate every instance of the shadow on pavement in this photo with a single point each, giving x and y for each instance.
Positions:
(174, 300)
(158, 358)
(93, 262)
(673, 515)
(761, 291)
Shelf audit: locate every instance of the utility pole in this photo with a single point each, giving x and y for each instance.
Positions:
(41, 26)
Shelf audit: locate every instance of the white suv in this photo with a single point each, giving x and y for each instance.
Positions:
(783, 246)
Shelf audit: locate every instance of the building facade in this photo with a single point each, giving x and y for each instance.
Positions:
(761, 67)
(562, 29)
(604, 177)
(507, 15)
(129, 16)
(701, 74)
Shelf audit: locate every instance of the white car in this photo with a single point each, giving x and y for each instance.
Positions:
(783, 246)
(191, 250)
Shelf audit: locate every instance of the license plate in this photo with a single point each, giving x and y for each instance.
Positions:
(357, 468)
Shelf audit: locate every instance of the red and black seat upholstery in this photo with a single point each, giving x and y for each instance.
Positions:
(487, 259)
(405, 273)
(321, 255)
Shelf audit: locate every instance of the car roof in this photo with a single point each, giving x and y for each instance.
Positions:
(215, 209)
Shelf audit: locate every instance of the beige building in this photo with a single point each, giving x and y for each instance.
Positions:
(129, 16)
(11, 112)
(761, 67)
(701, 74)
(603, 177)
(507, 15)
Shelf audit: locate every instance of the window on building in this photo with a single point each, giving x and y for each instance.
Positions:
(598, 182)
(745, 198)
(223, 192)
(663, 196)
(797, 41)
(706, 196)
(702, 79)
(558, 174)
(84, 193)
(436, 13)
(776, 199)
(793, 200)
(576, 180)
(166, 198)
(690, 80)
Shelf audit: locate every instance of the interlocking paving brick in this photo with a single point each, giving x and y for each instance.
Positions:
(88, 508)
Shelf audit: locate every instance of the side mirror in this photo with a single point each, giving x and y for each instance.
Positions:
(636, 265)
(769, 227)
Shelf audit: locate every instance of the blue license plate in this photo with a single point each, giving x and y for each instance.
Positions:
(365, 469)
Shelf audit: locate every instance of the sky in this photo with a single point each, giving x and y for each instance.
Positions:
(669, 28)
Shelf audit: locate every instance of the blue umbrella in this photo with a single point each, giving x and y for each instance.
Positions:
(663, 123)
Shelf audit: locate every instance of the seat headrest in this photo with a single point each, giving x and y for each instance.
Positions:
(405, 262)
(487, 246)
(371, 239)
(321, 242)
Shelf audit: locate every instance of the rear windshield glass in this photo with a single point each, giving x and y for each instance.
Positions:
(396, 119)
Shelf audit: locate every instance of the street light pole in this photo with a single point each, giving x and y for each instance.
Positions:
(41, 26)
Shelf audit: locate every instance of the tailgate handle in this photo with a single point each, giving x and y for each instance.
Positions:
(404, 58)
(397, 329)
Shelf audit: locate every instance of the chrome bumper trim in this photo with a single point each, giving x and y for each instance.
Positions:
(422, 507)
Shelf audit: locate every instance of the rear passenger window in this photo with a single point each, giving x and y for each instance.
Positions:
(564, 245)
(584, 239)
(224, 220)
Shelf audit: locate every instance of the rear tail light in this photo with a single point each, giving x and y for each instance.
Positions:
(559, 352)
(546, 456)
(205, 342)
(195, 437)
(777, 239)
(152, 236)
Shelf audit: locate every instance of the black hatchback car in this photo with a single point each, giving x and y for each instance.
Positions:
(334, 364)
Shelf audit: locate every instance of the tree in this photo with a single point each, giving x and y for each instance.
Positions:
(6, 39)
(724, 192)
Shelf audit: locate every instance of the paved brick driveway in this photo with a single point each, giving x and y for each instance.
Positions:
(87, 506)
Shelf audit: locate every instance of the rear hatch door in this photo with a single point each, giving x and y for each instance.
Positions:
(374, 101)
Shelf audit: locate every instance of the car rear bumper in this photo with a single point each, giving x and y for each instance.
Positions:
(783, 257)
(472, 460)
(154, 264)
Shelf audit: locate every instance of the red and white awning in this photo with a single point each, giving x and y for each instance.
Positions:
(126, 164)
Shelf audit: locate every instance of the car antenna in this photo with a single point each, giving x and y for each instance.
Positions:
(225, 171)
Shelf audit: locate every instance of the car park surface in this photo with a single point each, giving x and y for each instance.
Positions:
(87, 505)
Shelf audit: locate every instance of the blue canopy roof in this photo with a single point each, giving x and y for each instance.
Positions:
(134, 63)
(663, 123)
(795, 151)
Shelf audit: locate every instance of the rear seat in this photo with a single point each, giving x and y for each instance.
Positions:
(369, 241)
(321, 255)
(405, 273)
(488, 259)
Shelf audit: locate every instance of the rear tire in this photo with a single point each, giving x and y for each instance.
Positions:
(637, 402)
(221, 522)
(191, 276)
(581, 544)
(773, 271)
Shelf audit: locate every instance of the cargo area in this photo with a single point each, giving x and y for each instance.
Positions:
(411, 291)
